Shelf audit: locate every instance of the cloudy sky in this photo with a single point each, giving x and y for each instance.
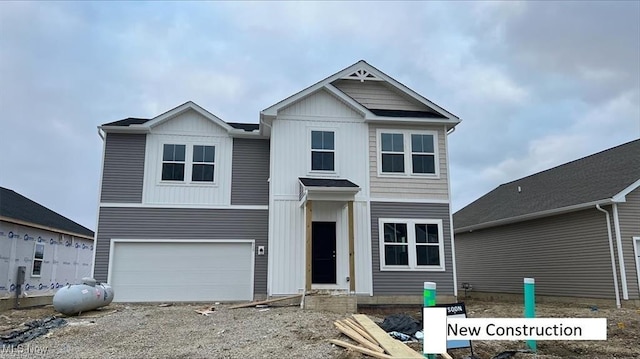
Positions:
(536, 84)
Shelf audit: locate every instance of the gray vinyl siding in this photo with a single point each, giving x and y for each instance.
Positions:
(629, 217)
(123, 171)
(410, 282)
(568, 255)
(250, 172)
(182, 223)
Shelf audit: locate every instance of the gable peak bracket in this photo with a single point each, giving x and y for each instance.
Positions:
(362, 75)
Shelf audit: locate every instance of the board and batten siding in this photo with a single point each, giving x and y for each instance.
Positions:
(250, 172)
(408, 187)
(378, 95)
(183, 223)
(188, 128)
(568, 255)
(321, 103)
(410, 282)
(291, 144)
(629, 217)
(123, 168)
(287, 259)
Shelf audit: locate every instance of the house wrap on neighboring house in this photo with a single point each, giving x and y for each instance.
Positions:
(343, 186)
(575, 228)
(54, 250)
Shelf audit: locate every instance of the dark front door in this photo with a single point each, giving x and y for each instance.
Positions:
(323, 252)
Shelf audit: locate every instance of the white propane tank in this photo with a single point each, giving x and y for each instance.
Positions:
(76, 298)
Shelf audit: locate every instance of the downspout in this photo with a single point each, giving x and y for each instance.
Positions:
(453, 244)
(613, 258)
(623, 272)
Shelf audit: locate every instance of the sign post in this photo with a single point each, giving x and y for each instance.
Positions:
(429, 296)
(530, 306)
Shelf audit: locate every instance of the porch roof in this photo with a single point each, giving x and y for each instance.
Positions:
(327, 189)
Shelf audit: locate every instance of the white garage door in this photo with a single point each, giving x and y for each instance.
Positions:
(181, 271)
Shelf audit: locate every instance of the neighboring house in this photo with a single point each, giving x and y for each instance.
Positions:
(344, 187)
(54, 250)
(574, 228)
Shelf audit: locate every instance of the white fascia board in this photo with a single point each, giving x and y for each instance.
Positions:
(124, 129)
(237, 133)
(622, 196)
(272, 111)
(530, 216)
(412, 120)
(190, 105)
(348, 100)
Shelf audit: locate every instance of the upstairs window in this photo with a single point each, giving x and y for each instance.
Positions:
(322, 151)
(407, 152)
(423, 156)
(38, 257)
(173, 160)
(203, 163)
(392, 153)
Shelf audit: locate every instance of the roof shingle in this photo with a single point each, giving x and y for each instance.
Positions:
(596, 177)
(16, 206)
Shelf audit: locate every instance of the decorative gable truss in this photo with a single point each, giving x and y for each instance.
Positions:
(362, 74)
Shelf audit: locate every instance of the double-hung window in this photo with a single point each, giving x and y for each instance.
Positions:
(38, 258)
(203, 163)
(322, 151)
(406, 152)
(411, 244)
(181, 162)
(423, 155)
(173, 160)
(392, 152)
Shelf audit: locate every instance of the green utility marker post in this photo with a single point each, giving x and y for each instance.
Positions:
(530, 306)
(429, 295)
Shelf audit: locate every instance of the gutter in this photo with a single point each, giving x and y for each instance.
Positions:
(613, 258)
(623, 272)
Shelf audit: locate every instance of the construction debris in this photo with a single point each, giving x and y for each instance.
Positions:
(253, 304)
(206, 311)
(372, 340)
(33, 330)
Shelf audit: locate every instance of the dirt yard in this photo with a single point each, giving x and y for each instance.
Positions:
(150, 331)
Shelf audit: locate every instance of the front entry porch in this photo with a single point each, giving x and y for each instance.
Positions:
(329, 234)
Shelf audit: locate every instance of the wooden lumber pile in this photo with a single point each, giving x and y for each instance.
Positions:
(372, 340)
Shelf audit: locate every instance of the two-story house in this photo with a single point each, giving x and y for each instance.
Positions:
(343, 186)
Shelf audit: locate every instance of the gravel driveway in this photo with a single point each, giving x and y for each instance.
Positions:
(150, 331)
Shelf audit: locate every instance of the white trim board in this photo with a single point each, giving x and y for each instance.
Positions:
(197, 206)
(636, 253)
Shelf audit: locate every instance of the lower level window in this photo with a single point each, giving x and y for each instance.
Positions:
(38, 257)
(407, 244)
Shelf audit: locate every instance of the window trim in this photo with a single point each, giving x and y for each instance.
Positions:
(34, 259)
(411, 241)
(310, 170)
(408, 153)
(188, 164)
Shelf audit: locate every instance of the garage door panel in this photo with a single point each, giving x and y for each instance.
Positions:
(182, 271)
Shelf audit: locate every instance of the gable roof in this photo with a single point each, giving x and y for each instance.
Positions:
(17, 208)
(604, 177)
(363, 71)
(143, 125)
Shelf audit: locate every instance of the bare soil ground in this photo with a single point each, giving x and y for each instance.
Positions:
(149, 331)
